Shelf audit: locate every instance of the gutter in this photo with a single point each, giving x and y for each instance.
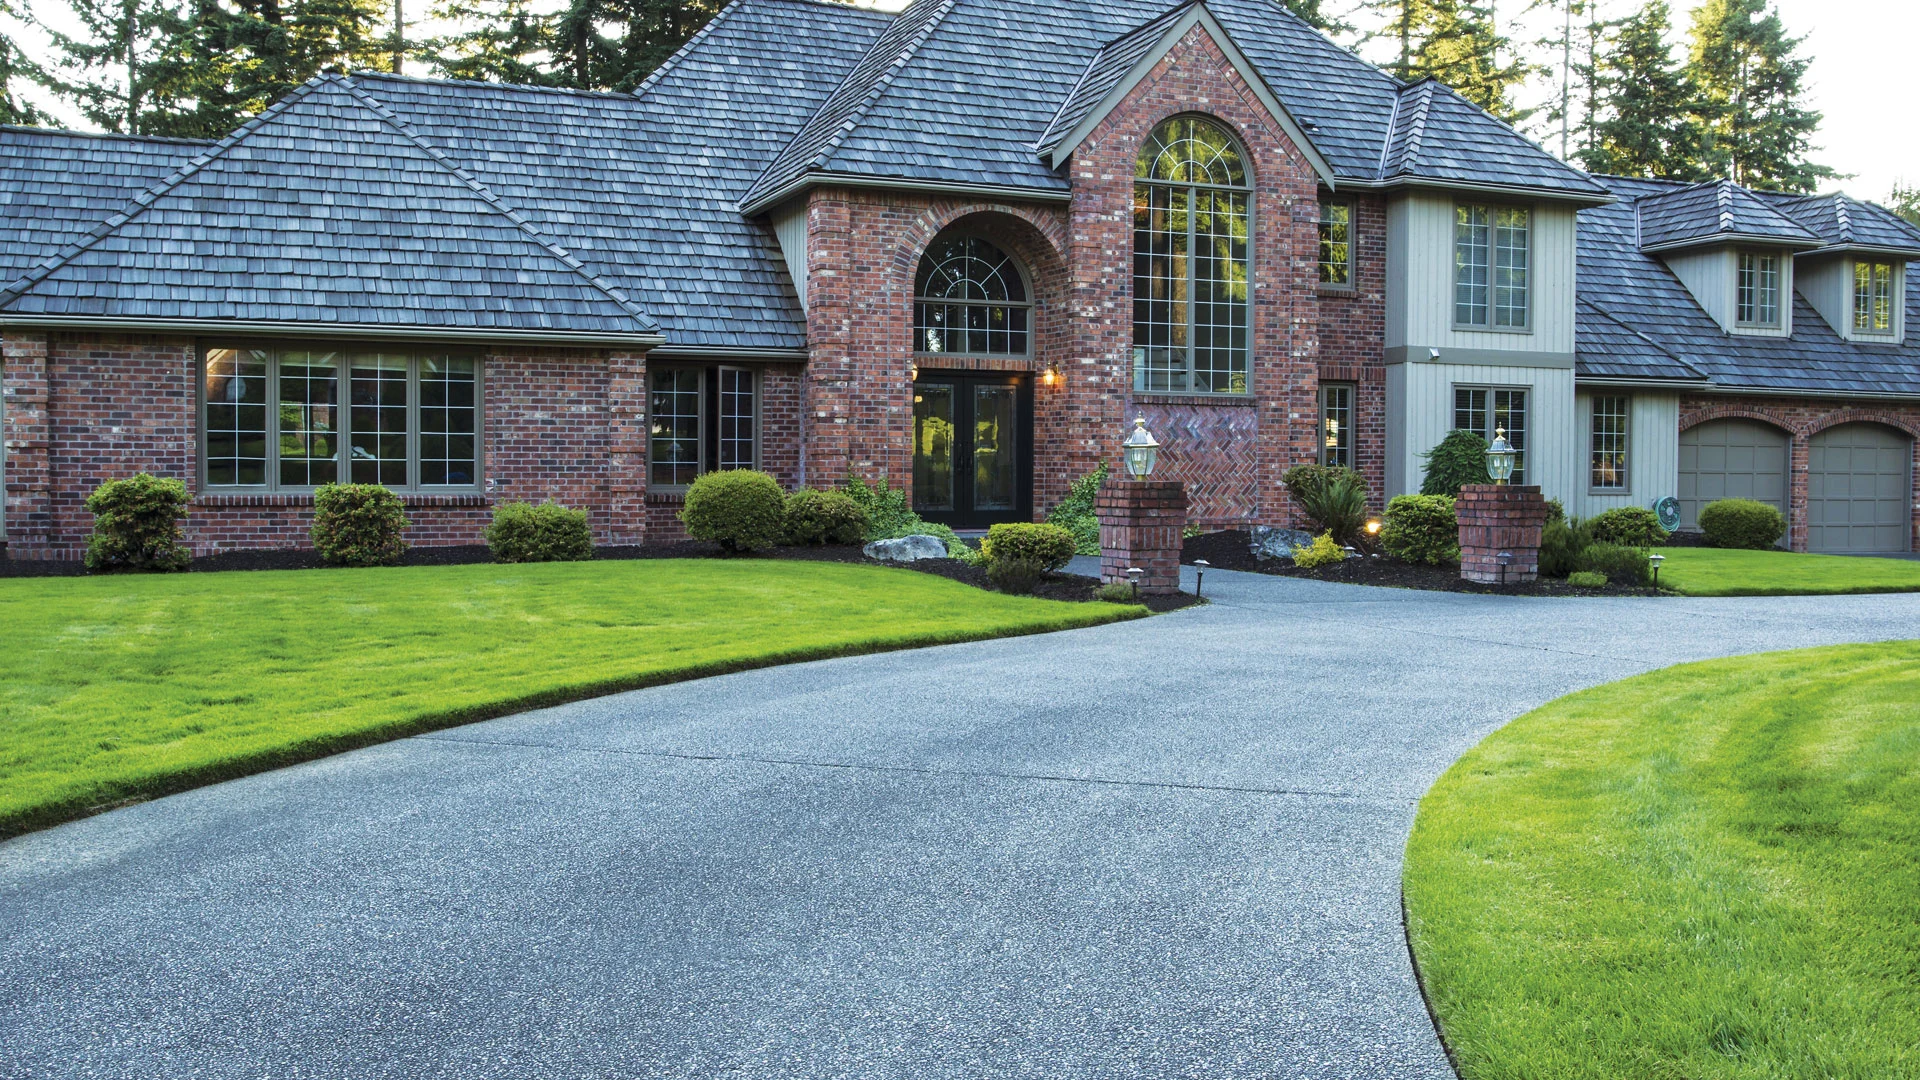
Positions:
(1799, 247)
(1510, 190)
(722, 352)
(899, 183)
(1850, 395)
(361, 331)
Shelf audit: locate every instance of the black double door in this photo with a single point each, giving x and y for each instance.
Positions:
(972, 448)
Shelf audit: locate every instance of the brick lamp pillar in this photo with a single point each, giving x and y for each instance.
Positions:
(1142, 523)
(1496, 518)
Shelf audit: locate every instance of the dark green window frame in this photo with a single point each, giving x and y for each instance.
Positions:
(700, 418)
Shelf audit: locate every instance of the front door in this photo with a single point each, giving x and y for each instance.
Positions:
(972, 448)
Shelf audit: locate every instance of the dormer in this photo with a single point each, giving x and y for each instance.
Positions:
(1731, 249)
(1857, 278)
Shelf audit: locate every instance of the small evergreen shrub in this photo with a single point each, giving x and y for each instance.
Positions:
(1075, 512)
(539, 532)
(1560, 545)
(816, 517)
(888, 515)
(136, 525)
(1629, 526)
(1331, 499)
(1458, 460)
(739, 509)
(1556, 510)
(1117, 592)
(1050, 546)
(1302, 481)
(1587, 579)
(1421, 529)
(358, 525)
(1623, 564)
(1324, 551)
(1742, 523)
(1016, 576)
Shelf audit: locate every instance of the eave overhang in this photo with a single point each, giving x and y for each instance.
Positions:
(355, 331)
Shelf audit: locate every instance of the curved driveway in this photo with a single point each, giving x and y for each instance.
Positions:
(1164, 848)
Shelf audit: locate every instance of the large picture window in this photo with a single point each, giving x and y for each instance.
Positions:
(702, 419)
(1758, 288)
(278, 420)
(1191, 204)
(1492, 286)
(1607, 443)
(1336, 424)
(969, 298)
(1872, 297)
(1484, 410)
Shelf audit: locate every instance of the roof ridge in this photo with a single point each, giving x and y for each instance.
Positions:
(29, 129)
(640, 89)
(1842, 219)
(488, 84)
(1417, 124)
(567, 258)
(1723, 196)
(1047, 139)
(151, 194)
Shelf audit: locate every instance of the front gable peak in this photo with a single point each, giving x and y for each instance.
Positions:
(1123, 63)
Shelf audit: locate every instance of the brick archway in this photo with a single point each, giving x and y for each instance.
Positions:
(1739, 412)
(1862, 416)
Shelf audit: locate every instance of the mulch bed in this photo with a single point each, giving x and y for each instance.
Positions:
(1232, 551)
(1051, 587)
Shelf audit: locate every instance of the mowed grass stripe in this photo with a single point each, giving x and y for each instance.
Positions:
(1722, 572)
(130, 687)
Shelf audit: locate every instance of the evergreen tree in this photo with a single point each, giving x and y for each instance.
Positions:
(503, 41)
(1905, 201)
(15, 69)
(123, 73)
(1583, 85)
(585, 45)
(1647, 128)
(1456, 42)
(1748, 98)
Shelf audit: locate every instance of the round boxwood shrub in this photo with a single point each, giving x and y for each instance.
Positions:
(1421, 529)
(1742, 523)
(1050, 546)
(1624, 564)
(739, 509)
(543, 532)
(136, 524)
(824, 517)
(1629, 526)
(358, 525)
(1015, 576)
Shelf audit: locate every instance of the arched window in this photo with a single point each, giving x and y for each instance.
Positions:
(1190, 310)
(969, 297)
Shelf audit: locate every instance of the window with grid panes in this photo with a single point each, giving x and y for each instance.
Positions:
(1758, 289)
(1336, 424)
(1191, 205)
(1484, 410)
(1607, 443)
(1336, 245)
(1492, 284)
(1872, 297)
(700, 419)
(969, 297)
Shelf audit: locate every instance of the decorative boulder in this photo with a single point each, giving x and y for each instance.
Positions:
(1273, 543)
(907, 548)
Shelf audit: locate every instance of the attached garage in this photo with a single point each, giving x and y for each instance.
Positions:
(1731, 459)
(1860, 489)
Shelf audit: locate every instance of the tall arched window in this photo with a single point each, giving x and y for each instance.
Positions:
(969, 297)
(1190, 311)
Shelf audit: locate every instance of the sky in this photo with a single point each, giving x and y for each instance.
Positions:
(1859, 49)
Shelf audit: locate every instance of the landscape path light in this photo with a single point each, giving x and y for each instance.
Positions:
(1655, 561)
(1133, 578)
(1500, 457)
(1140, 450)
(1199, 575)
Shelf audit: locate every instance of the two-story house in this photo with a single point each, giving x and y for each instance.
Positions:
(959, 247)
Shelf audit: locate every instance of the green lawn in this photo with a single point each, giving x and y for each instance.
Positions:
(116, 688)
(1707, 871)
(1719, 572)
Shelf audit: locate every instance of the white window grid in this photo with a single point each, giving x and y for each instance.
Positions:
(1607, 466)
(1759, 289)
(1485, 410)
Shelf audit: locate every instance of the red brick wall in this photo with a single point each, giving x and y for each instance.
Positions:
(1353, 338)
(1803, 418)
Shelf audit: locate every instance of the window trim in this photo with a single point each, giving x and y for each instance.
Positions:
(1353, 262)
(1453, 283)
(708, 419)
(1526, 390)
(344, 432)
(1249, 189)
(1320, 423)
(1626, 444)
(913, 320)
(1896, 297)
(1780, 299)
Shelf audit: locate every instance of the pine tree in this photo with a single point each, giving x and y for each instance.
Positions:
(1456, 42)
(504, 41)
(1748, 101)
(586, 45)
(1905, 201)
(1583, 87)
(1647, 128)
(123, 74)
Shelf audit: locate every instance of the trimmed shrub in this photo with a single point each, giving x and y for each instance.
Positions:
(539, 532)
(739, 509)
(1629, 526)
(1623, 564)
(824, 517)
(1458, 460)
(1049, 546)
(1075, 512)
(1560, 545)
(1587, 579)
(1117, 592)
(1324, 551)
(1017, 576)
(1742, 523)
(1421, 529)
(1338, 506)
(358, 525)
(136, 525)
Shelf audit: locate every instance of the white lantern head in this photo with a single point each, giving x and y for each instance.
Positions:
(1140, 450)
(1500, 457)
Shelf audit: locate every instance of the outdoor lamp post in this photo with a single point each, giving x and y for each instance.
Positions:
(1199, 575)
(1140, 450)
(1500, 457)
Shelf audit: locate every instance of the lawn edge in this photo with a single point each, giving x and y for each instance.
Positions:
(117, 796)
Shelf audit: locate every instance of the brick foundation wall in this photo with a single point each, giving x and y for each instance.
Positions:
(1802, 419)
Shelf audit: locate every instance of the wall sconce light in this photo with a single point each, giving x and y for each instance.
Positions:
(1051, 375)
(913, 372)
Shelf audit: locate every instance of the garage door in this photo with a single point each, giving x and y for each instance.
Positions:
(1731, 459)
(1859, 489)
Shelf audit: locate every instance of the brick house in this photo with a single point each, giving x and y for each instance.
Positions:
(958, 248)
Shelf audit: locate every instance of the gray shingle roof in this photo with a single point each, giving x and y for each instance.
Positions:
(1622, 286)
(57, 185)
(1842, 222)
(1109, 64)
(1714, 212)
(325, 210)
(1434, 135)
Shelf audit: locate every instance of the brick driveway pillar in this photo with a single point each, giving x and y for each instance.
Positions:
(1497, 518)
(1141, 522)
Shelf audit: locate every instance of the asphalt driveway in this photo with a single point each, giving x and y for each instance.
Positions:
(1164, 848)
